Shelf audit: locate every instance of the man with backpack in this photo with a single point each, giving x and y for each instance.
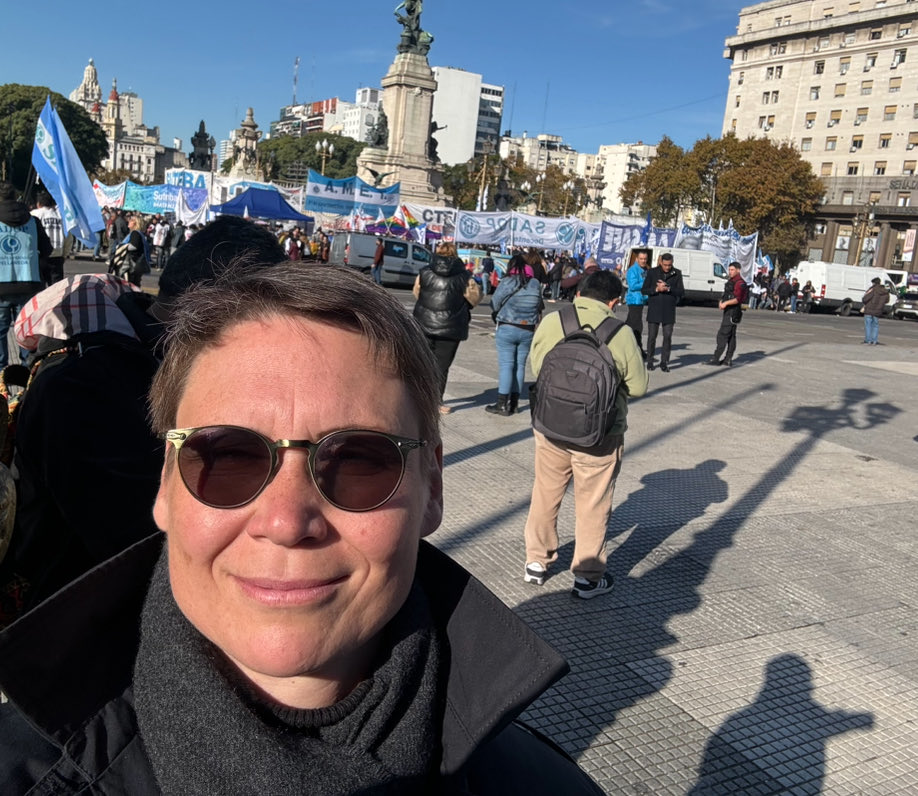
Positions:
(586, 373)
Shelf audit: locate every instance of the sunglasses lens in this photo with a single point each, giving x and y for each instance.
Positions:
(224, 467)
(357, 470)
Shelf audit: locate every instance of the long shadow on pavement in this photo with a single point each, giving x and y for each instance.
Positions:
(778, 743)
(614, 644)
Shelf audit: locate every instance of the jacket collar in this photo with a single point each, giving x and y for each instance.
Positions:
(496, 665)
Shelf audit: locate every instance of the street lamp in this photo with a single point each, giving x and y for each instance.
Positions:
(864, 220)
(540, 184)
(325, 150)
(567, 188)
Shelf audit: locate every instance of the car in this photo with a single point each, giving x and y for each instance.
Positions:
(907, 307)
(402, 259)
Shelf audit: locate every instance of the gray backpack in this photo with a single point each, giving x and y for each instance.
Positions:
(573, 400)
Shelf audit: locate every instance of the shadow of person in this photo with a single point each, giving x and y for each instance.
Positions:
(778, 743)
(673, 498)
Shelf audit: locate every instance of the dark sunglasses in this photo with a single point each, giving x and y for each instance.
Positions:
(226, 467)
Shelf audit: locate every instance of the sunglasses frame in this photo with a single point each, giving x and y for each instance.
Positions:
(179, 436)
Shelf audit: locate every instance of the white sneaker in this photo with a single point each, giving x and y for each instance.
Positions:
(535, 573)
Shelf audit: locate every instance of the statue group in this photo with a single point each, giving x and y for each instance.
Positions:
(413, 40)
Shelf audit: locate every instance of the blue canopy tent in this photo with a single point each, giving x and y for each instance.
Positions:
(260, 203)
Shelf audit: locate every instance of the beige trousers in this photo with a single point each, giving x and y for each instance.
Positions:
(594, 477)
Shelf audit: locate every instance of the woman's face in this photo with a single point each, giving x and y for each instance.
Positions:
(289, 587)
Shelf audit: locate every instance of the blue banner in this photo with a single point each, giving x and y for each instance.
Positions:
(342, 197)
(617, 239)
(161, 198)
(61, 172)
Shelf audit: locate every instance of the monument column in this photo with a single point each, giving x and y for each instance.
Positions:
(402, 153)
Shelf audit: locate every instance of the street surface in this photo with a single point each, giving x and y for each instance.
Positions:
(762, 637)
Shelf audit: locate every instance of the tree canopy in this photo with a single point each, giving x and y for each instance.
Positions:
(21, 106)
(290, 158)
(758, 184)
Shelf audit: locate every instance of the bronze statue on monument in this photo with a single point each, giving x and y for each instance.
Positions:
(413, 40)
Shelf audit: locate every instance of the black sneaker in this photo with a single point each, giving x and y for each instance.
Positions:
(712, 361)
(588, 589)
(535, 573)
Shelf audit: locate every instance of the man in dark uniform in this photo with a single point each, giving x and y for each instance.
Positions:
(735, 295)
(663, 288)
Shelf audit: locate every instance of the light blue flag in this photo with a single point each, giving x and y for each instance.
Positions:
(62, 173)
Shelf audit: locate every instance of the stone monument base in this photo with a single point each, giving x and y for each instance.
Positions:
(421, 181)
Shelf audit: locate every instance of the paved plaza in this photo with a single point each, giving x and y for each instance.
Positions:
(762, 637)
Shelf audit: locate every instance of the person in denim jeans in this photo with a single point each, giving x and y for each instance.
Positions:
(516, 307)
(875, 300)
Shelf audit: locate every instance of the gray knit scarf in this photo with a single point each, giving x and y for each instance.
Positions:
(207, 732)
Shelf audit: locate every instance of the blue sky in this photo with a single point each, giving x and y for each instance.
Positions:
(593, 71)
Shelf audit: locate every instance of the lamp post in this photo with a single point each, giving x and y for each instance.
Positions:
(325, 150)
(540, 184)
(567, 188)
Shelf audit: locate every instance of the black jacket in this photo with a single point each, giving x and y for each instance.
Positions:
(441, 308)
(661, 307)
(70, 726)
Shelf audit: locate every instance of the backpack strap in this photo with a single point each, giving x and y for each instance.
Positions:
(570, 320)
(608, 329)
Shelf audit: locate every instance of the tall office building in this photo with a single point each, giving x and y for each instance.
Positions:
(835, 79)
(469, 112)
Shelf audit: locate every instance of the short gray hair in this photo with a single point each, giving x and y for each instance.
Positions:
(335, 295)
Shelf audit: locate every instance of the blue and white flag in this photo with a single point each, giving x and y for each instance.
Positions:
(62, 173)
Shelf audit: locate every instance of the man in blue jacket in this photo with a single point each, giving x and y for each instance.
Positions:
(635, 298)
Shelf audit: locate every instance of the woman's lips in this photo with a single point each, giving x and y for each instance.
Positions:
(288, 592)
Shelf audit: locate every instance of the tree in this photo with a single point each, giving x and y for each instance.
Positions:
(758, 184)
(289, 158)
(115, 176)
(21, 106)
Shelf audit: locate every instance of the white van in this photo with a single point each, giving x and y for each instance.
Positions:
(402, 259)
(841, 287)
(702, 276)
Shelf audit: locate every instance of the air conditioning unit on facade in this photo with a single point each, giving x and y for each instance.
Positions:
(809, 124)
(832, 123)
(857, 122)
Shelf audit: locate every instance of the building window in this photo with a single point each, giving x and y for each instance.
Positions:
(766, 97)
(876, 33)
(831, 141)
(737, 100)
(904, 30)
(733, 125)
(773, 49)
(814, 92)
(895, 84)
(889, 113)
(741, 78)
(779, 72)
(844, 65)
(806, 144)
(848, 197)
(908, 168)
(770, 122)
(912, 141)
(879, 168)
(861, 116)
(839, 89)
(819, 67)
(834, 118)
(782, 48)
(866, 87)
(874, 197)
(903, 200)
(870, 62)
(852, 169)
(849, 37)
(857, 142)
(774, 97)
(744, 55)
(823, 42)
(769, 73)
(810, 119)
(898, 58)
(761, 122)
(825, 170)
(885, 138)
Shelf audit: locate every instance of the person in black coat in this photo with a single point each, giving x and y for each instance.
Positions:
(446, 293)
(664, 289)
